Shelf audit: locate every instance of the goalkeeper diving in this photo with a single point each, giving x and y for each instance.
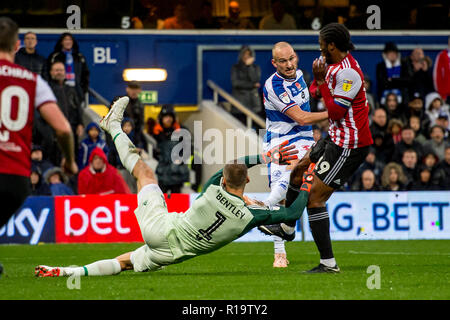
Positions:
(219, 215)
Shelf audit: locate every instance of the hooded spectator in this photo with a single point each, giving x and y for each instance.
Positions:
(393, 178)
(245, 80)
(57, 181)
(38, 186)
(99, 177)
(77, 73)
(92, 141)
(37, 158)
(434, 107)
(28, 57)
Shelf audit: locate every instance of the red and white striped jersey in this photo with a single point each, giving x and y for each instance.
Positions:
(21, 92)
(346, 83)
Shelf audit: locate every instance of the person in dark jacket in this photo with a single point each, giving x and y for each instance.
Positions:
(135, 111)
(441, 176)
(424, 182)
(408, 142)
(29, 58)
(392, 74)
(38, 160)
(172, 173)
(38, 185)
(245, 80)
(92, 141)
(77, 71)
(68, 100)
(57, 181)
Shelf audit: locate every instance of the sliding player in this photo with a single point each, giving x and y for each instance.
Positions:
(288, 117)
(217, 217)
(338, 79)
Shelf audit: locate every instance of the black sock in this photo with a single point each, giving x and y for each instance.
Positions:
(291, 195)
(319, 223)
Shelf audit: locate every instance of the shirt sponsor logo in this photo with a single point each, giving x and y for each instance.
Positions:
(347, 85)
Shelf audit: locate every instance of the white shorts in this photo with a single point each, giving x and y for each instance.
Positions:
(278, 174)
(151, 215)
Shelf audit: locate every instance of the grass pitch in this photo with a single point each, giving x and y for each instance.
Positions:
(409, 270)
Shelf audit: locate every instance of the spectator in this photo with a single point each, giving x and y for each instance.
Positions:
(99, 177)
(414, 123)
(409, 166)
(395, 130)
(355, 20)
(384, 146)
(394, 109)
(68, 100)
(28, 57)
(419, 72)
(278, 19)
(172, 174)
(44, 136)
(437, 144)
(434, 107)
(37, 158)
(179, 20)
(407, 142)
(368, 181)
(379, 121)
(92, 141)
(38, 186)
(135, 111)
(442, 121)
(441, 176)
(371, 163)
(415, 107)
(234, 21)
(57, 182)
(206, 19)
(245, 78)
(424, 182)
(441, 73)
(370, 98)
(148, 19)
(391, 74)
(393, 178)
(77, 72)
(114, 159)
(317, 133)
(430, 160)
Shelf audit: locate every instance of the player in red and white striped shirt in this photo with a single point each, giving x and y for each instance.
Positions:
(21, 92)
(339, 80)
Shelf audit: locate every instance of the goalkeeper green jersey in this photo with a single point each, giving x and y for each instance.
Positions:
(217, 217)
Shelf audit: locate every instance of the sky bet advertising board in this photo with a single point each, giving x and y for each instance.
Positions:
(110, 218)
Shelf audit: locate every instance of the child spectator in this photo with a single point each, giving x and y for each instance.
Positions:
(99, 177)
(92, 141)
(434, 107)
(38, 186)
(414, 123)
(395, 130)
(57, 182)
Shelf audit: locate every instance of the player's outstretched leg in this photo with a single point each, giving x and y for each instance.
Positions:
(112, 123)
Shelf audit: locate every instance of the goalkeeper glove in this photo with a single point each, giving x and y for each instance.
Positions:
(281, 154)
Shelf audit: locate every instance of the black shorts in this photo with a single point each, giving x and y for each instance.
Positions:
(335, 165)
(13, 192)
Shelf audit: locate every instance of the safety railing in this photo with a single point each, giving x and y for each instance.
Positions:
(251, 116)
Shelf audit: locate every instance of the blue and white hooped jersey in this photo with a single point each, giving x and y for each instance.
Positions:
(280, 95)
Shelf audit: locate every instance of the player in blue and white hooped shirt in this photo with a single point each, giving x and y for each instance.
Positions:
(288, 117)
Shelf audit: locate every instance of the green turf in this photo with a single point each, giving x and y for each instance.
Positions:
(409, 270)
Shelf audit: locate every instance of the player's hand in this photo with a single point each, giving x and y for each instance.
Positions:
(70, 168)
(281, 154)
(249, 201)
(319, 71)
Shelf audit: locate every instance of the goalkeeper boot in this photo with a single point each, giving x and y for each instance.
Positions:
(321, 268)
(45, 271)
(115, 114)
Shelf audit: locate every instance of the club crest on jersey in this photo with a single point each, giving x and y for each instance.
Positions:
(298, 85)
(347, 85)
(284, 97)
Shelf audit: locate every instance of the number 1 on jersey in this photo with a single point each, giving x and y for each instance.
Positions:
(206, 234)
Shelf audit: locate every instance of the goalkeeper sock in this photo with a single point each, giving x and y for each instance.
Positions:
(291, 195)
(126, 149)
(278, 245)
(99, 268)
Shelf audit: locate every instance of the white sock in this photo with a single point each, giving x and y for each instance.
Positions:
(126, 149)
(99, 268)
(276, 195)
(328, 262)
(278, 245)
(287, 229)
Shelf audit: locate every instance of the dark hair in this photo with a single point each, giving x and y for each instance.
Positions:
(134, 85)
(235, 174)
(338, 34)
(9, 34)
(58, 45)
(437, 126)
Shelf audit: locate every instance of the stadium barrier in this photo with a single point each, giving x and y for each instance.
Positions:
(110, 218)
